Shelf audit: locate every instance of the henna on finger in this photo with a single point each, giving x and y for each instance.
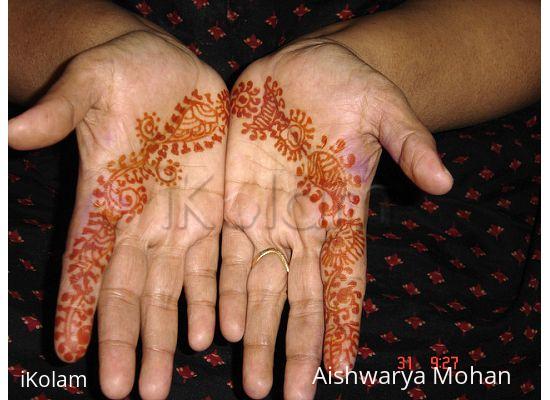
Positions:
(197, 124)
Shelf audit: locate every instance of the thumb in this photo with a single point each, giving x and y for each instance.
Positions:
(413, 147)
(57, 113)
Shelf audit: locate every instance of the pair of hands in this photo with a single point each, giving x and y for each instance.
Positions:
(168, 156)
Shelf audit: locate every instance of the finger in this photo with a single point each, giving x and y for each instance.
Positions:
(343, 268)
(304, 334)
(90, 244)
(58, 112)
(201, 264)
(159, 320)
(266, 298)
(413, 147)
(118, 319)
(237, 253)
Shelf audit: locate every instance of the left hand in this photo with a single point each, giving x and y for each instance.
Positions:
(307, 128)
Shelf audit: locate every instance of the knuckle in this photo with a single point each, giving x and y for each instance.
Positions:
(234, 264)
(201, 303)
(305, 357)
(198, 272)
(259, 342)
(262, 296)
(163, 301)
(418, 157)
(233, 292)
(162, 251)
(306, 308)
(257, 346)
(117, 343)
(110, 296)
(158, 349)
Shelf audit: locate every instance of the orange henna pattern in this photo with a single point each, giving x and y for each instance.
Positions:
(344, 246)
(271, 118)
(198, 123)
(325, 174)
(246, 103)
(326, 177)
(295, 141)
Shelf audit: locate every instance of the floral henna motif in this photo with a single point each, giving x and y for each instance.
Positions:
(295, 141)
(198, 123)
(244, 102)
(326, 177)
(271, 118)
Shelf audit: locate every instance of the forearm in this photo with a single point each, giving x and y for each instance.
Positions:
(44, 34)
(458, 62)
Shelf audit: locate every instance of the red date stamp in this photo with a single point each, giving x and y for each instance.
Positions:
(441, 362)
(405, 362)
(444, 362)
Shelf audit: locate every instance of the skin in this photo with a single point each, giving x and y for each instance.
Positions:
(359, 82)
(452, 76)
(149, 203)
(375, 70)
(307, 128)
(38, 54)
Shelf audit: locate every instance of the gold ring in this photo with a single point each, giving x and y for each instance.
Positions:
(271, 250)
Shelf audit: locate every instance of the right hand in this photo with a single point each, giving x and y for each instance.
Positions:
(150, 120)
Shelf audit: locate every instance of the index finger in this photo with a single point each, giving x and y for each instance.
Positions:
(91, 242)
(343, 265)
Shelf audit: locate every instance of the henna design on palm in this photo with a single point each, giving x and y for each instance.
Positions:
(197, 124)
(327, 178)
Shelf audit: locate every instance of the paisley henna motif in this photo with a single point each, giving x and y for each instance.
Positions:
(327, 181)
(198, 123)
(326, 176)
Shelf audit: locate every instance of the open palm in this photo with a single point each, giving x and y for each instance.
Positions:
(307, 127)
(150, 121)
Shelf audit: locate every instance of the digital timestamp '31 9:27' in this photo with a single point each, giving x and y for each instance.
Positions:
(442, 362)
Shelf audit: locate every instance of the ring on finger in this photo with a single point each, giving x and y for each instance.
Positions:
(268, 251)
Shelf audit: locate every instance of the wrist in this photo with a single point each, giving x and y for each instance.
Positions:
(38, 53)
